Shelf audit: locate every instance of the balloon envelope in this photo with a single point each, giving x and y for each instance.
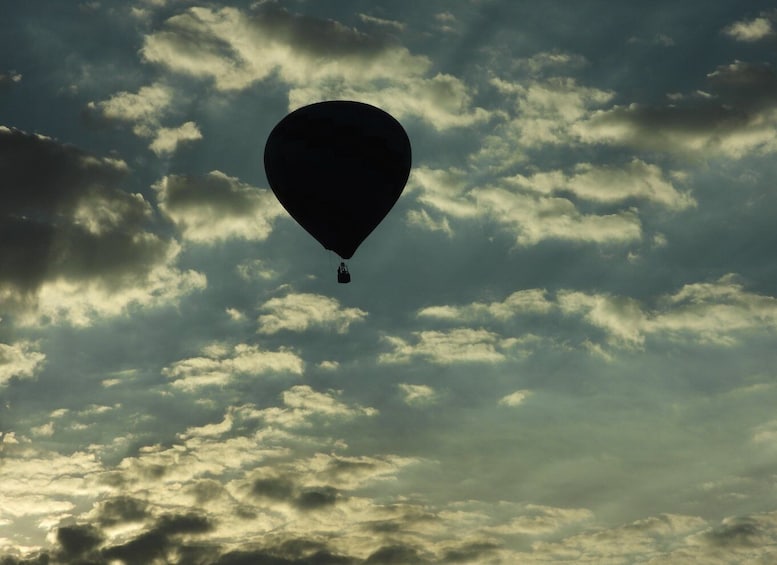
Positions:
(338, 167)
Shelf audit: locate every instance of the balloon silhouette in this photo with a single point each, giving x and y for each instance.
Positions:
(338, 167)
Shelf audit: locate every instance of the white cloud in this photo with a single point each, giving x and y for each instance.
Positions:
(609, 184)
(216, 207)
(550, 61)
(255, 270)
(144, 108)
(319, 59)
(166, 140)
(145, 111)
(718, 313)
(515, 398)
(422, 219)
(704, 312)
(44, 430)
(218, 366)
(382, 22)
(19, 360)
(541, 520)
(459, 345)
(80, 303)
(751, 30)
(545, 113)
(736, 118)
(39, 483)
(537, 218)
(418, 395)
(520, 302)
(302, 404)
(531, 215)
(299, 312)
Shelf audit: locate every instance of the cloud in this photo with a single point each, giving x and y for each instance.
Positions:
(523, 210)
(166, 140)
(541, 520)
(74, 245)
(534, 219)
(299, 312)
(216, 207)
(318, 59)
(382, 22)
(549, 61)
(418, 395)
(738, 119)
(236, 49)
(145, 111)
(606, 184)
(255, 270)
(9, 79)
(520, 302)
(753, 30)
(459, 345)
(515, 398)
(20, 360)
(544, 112)
(218, 368)
(39, 483)
(714, 313)
(302, 403)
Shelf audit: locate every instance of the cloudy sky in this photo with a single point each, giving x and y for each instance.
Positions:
(559, 347)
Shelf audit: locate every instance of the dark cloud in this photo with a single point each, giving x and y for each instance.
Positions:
(283, 489)
(66, 221)
(275, 488)
(316, 498)
(396, 554)
(733, 117)
(64, 216)
(120, 510)
(742, 532)
(320, 37)
(155, 542)
(206, 490)
(216, 206)
(9, 79)
(263, 557)
(469, 553)
(751, 86)
(77, 540)
(42, 559)
(44, 179)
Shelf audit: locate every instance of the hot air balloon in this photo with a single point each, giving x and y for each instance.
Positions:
(338, 167)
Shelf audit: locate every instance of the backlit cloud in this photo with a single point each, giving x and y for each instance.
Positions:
(529, 214)
(219, 366)
(418, 395)
(299, 312)
(637, 180)
(318, 58)
(460, 345)
(737, 121)
(75, 245)
(216, 207)
(20, 360)
(755, 29)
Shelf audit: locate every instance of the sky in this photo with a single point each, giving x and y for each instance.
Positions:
(558, 347)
